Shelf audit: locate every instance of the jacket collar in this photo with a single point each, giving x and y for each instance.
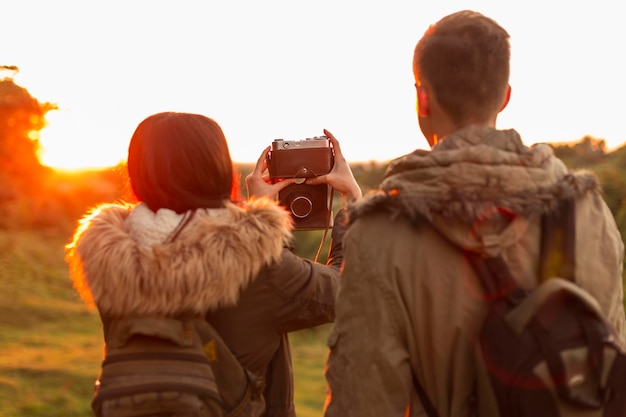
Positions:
(474, 171)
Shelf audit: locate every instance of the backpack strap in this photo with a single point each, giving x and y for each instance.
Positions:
(558, 242)
(230, 375)
(557, 256)
(496, 278)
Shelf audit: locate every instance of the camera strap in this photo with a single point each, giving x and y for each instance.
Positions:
(328, 218)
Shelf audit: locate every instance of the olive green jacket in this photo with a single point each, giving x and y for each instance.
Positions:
(409, 305)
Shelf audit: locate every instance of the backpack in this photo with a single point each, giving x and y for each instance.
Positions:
(549, 352)
(170, 367)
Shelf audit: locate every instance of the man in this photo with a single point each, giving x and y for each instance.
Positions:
(409, 307)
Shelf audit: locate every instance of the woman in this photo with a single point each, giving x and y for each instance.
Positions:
(191, 246)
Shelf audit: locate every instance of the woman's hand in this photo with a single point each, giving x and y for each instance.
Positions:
(259, 185)
(340, 176)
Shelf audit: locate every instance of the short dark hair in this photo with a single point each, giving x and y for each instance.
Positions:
(181, 161)
(465, 57)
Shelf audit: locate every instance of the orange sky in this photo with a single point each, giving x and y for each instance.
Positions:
(282, 68)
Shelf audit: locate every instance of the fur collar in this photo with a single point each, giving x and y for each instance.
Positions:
(470, 173)
(122, 269)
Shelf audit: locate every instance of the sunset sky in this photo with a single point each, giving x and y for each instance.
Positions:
(288, 69)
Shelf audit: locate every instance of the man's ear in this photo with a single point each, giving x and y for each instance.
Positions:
(507, 97)
(423, 101)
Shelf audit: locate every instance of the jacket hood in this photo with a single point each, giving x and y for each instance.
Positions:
(206, 266)
(470, 174)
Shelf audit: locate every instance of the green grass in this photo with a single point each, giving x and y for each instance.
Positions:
(309, 354)
(51, 343)
(50, 348)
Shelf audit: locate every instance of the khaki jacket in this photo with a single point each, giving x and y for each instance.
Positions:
(233, 265)
(408, 304)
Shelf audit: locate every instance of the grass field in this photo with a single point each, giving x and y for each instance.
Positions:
(51, 345)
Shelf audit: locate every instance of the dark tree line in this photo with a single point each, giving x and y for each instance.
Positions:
(21, 174)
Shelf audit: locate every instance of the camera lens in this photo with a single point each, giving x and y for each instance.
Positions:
(301, 207)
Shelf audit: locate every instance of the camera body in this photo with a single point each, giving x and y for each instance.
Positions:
(307, 158)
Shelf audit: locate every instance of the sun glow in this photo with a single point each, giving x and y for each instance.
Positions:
(66, 144)
(140, 69)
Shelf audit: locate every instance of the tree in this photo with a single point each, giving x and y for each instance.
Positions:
(21, 118)
(589, 151)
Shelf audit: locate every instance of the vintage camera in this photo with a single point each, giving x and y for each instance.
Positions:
(301, 159)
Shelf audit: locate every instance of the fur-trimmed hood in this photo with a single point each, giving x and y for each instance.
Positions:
(218, 253)
(471, 173)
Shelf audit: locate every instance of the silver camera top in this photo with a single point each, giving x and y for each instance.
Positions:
(314, 142)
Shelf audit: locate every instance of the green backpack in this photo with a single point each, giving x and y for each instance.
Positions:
(549, 352)
(158, 366)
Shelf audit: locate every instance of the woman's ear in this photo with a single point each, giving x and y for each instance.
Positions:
(507, 97)
(423, 104)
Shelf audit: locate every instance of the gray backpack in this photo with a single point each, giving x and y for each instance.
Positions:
(167, 367)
